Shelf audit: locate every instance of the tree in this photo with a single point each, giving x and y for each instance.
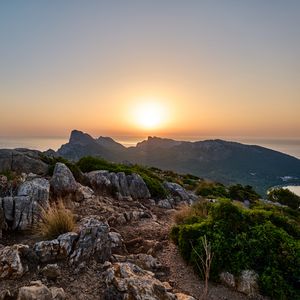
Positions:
(285, 197)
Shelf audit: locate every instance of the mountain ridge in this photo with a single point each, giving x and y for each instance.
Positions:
(219, 160)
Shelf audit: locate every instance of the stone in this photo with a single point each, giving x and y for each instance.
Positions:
(228, 279)
(11, 264)
(131, 282)
(62, 181)
(51, 271)
(31, 199)
(22, 160)
(58, 293)
(93, 241)
(83, 193)
(99, 181)
(137, 187)
(164, 203)
(57, 249)
(248, 283)
(177, 191)
(181, 296)
(123, 184)
(36, 291)
(117, 243)
(145, 261)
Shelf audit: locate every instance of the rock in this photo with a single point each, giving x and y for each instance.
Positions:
(83, 193)
(57, 249)
(2, 219)
(177, 191)
(58, 293)
(62, 182)
(164, 203)
(118, 183)
(11, 264)
(181, 296)
(145, 261)
(51, 271)
(117, 243)
(36, 291)
(32, 198)
(247, 283)
(93, 241)
(22, 160)
(5, 295)
(137, 187)
(228, 279)
(131, 282)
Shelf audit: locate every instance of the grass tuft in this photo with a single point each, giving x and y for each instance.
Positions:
(55, 220)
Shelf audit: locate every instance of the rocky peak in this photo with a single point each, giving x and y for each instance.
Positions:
(79, 137)
(157, 142)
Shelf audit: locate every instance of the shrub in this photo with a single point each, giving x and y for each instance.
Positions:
(285, 197)
(242, 193)
(264, 240)
(55, 220)
(211, 189)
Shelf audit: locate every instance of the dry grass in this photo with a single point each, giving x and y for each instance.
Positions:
(198, 209)
(55, 220)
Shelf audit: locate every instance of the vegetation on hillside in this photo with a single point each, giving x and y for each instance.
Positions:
(264, 238)
(285, 197)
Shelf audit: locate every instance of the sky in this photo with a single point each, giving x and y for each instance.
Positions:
(156, 67)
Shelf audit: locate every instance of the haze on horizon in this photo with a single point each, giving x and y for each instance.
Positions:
(167, 68)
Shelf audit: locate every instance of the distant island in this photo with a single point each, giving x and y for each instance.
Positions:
(218, 160)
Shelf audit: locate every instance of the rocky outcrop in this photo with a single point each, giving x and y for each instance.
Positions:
(23, 210)
(37, 290)
(11, 264)
(179, 193)
(22, 161)
(119, 184)
(92, 241)
(62, 181)
(128, 281)
(57, 249)
(246, 283)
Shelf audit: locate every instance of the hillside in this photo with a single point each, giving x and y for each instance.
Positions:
(218, 160)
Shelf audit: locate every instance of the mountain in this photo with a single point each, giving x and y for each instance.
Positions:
(218, 160)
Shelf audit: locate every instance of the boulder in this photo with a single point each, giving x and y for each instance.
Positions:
(248, 283)
(145, 261)
(62, 181)
(83, 193)
(164, 203)
(137, 187)
(228, 279)
(57, 249)
(11, 264)
(22, 160)
(177, 191)
(118, 184)
(128, 281)
(51, 271)
(117, 243)
(93, 241)
(38, 291)
(32, 198)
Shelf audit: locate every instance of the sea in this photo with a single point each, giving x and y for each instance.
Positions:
(290, 146)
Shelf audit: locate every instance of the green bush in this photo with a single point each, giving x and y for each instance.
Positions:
(241, 193)
(264, 240)
(285, 197)
(211, 189)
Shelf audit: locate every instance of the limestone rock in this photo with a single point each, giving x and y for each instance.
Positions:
(32, 197)
(22, 160)
(34, 292)
(11, 264)
(83, 193)
(247, 283)
(117, 243)
(177, 191)
(164, 203)
(181, 296)
(58, 293)
(63, 181)
(57, 249)
(118, 183)
(137, 187)
(129, 281)
(51, 271)
(93, 241)
(228, 279)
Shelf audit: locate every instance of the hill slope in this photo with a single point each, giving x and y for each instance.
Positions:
(218, 160)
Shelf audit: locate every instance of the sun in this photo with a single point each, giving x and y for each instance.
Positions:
(149, 115)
